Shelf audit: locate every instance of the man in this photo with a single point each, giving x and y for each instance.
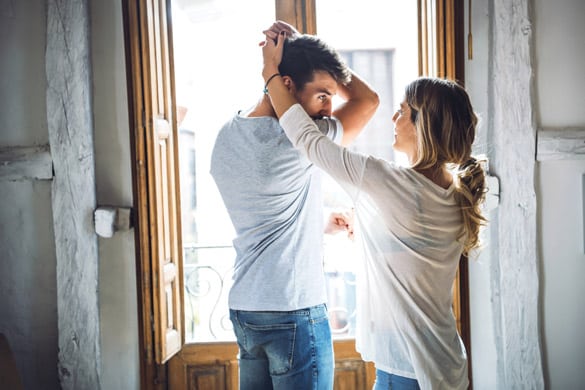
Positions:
(272, 194)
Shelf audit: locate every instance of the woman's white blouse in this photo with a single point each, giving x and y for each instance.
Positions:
(409, 229)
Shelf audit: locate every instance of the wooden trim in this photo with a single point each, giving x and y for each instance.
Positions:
(459, 41)
(151, 102)
(142, 65)
(454, 35)
(176, 214)
(132, 38)
(299, 13)
(441, 38)
(423, 48)
(464, 313)
(162, 166)
(151, 220)
(449, 39)
(345, 350)
(202, 355)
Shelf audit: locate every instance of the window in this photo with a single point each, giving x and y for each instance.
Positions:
(215, 76)
(155, 134)
(218, 89)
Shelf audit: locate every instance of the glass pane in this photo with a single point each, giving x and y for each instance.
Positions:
(378, 40)
(208, 276)
(217, 72)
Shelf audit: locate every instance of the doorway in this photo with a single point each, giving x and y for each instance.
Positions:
(217, 65)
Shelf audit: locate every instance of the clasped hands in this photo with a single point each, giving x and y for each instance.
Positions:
(341, 221)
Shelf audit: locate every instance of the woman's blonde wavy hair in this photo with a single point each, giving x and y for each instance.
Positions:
(445, 124)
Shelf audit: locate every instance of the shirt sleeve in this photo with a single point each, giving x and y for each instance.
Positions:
(331, 127)
(344, 166)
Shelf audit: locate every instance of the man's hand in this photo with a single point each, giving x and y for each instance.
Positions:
(278, 27)
(340, 221)
(272, 55)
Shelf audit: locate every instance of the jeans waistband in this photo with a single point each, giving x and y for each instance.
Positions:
(312, 311)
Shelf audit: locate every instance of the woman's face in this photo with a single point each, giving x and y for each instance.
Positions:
(404, 132)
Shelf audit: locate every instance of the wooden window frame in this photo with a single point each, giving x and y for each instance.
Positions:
(441, 54)
(154, 149)
(299, 13)
(441, 39)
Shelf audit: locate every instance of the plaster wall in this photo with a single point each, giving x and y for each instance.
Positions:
(28, 283)
(560, 85)
(477, 77)
(117, 273)
(28, 301)
(557, 60)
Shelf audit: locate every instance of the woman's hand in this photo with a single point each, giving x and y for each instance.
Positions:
(339, 222)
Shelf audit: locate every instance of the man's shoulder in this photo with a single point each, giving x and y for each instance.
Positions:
(331, 127)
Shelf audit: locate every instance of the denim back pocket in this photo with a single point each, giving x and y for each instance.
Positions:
(278, 341)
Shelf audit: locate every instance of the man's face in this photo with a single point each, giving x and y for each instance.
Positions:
(316, 96)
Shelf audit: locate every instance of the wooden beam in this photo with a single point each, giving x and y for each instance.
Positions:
(515, 262)
(70, 125)
(560, 144)
(26, 163)
(299, 13)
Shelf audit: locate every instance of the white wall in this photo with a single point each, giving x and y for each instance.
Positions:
(28, 282)
(560, 86)
(28, 298)
(27, 252)
(117, 277)
(563, 270)
(559, 60)
(477, 77)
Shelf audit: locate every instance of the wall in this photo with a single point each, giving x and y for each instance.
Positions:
(28, 287)
(117, 276)
(28, 297)
(483, 351)
(558, 60)
(559, 64)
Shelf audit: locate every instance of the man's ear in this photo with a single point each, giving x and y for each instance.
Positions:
(289, 83)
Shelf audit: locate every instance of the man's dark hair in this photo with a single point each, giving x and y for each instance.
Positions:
(305, 54)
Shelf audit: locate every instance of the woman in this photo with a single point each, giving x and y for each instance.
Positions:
(414, 223)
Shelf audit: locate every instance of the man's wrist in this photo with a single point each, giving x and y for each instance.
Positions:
(268, 80)
(269, 71)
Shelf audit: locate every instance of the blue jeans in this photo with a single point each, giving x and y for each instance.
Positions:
(386, 381)
(284, 350)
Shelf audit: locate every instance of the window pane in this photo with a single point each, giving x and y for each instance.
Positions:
(217, 72)
(374, 25)
(378, 40)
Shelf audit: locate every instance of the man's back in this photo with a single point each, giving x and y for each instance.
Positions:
(272, 194)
